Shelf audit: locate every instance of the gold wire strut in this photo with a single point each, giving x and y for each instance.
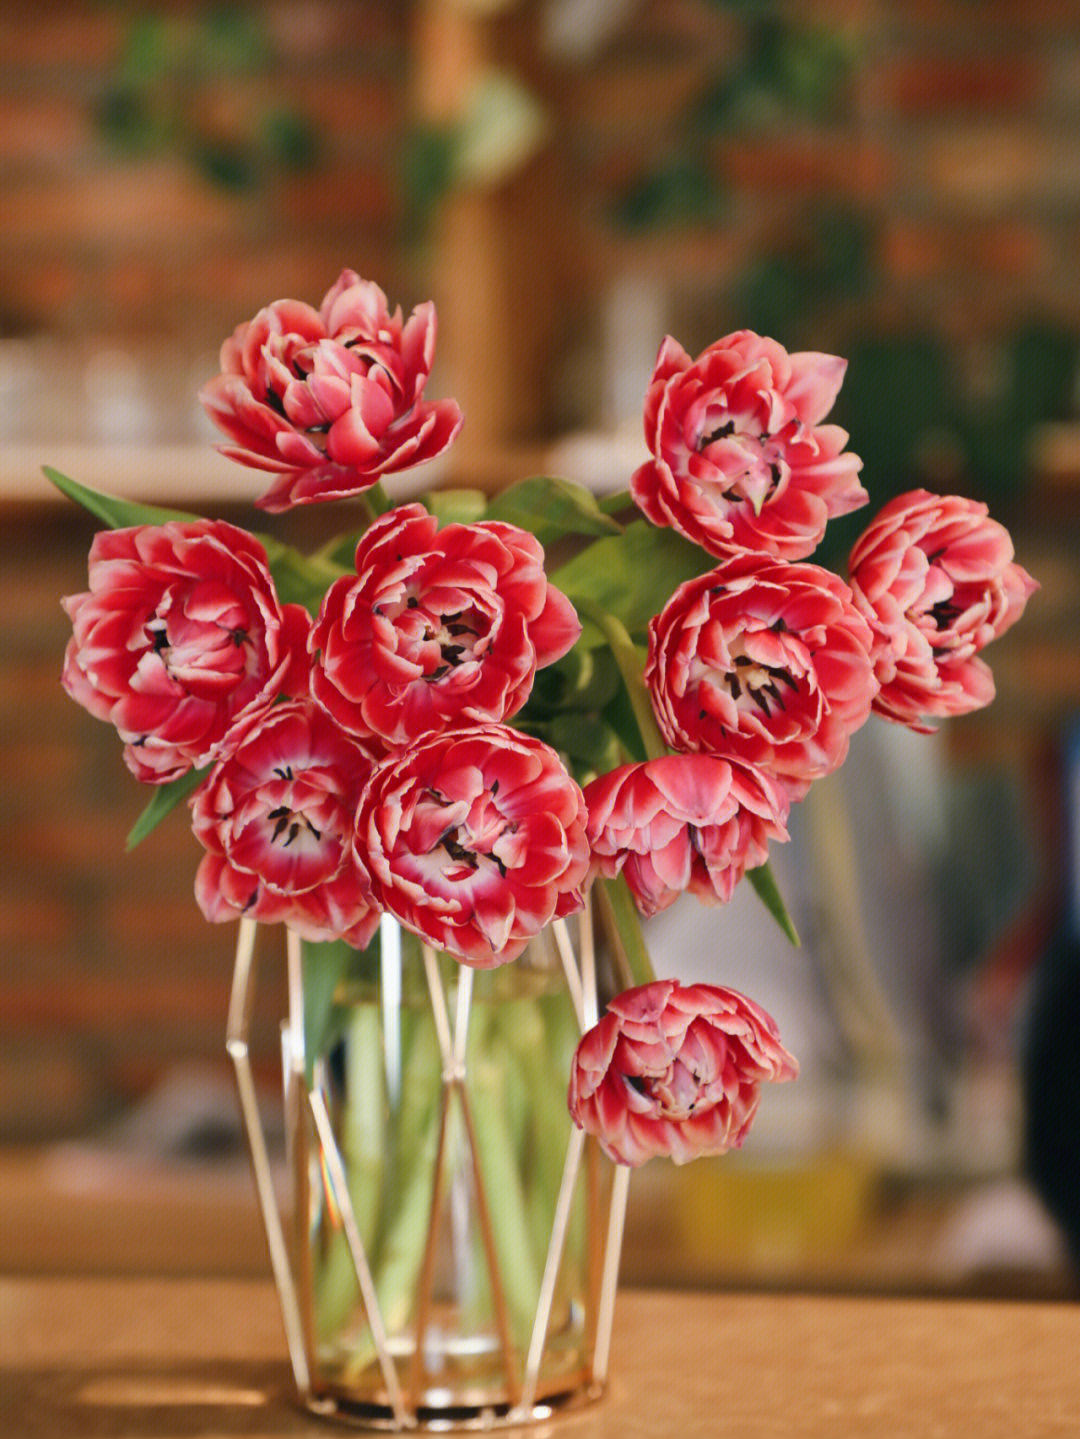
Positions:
(335, 1168)
(620, 1187)
(236, 1043)
(551, 1270)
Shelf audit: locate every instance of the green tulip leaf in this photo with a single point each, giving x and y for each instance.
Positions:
(631, 575)
(764, 883)
(551, 507)
(301, 579)
(166, 798)
(455, 507)
(118, 514)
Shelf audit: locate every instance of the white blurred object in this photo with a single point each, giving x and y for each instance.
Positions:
(18, 373)
(575, 30)
(503, 127)
(1002, 1226)
(119, 409)
(601, 461)
(635, 319)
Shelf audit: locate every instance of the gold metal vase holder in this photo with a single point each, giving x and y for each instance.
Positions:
(406, 1399)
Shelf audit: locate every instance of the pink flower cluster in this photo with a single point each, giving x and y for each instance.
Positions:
(362, 760)
(759, 671)
(343, 781)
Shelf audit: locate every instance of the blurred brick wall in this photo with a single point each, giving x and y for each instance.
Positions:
(108, 972)
(956, 138)
(149, 246)
(959, 141)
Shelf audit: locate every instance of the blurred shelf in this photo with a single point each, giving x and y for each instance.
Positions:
(835, 1224)
(196, 476)
(192, 473)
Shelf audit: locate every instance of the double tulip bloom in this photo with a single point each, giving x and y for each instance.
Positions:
(328, 400)
(936, 579)
(179, 638)
(437, 628)
(365, 761)
(685, 822)
(276, 820)
(675, 1070)
(766, 661)
(740, 457)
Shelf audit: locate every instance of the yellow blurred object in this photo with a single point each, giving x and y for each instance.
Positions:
(748, 1220)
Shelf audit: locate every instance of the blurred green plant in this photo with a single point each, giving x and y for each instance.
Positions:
(787, 69)
(154, 101)
(502, 126)
(784, 70)
(920, 415)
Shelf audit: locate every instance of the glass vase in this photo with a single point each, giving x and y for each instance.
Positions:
(450, 1253)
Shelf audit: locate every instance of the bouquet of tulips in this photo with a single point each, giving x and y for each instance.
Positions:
(430, 718)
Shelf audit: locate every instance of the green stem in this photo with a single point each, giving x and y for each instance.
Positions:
(497, 1157)
(626, 657)
(628, 928)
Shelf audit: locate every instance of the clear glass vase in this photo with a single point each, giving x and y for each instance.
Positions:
(451, 1254)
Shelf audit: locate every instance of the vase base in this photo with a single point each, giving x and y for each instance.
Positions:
(446, 1418)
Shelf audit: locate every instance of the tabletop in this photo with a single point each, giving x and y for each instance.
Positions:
(136, 1358)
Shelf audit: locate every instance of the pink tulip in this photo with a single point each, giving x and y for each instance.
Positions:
(740, 458)
(683, 822)
(474, 839)
(328, 400)
(275, 818)
(936, 579)
(179, 638)
(675, 1070)
(437, 628)
(764, 661)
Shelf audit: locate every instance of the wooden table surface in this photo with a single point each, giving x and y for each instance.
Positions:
(148, 1358)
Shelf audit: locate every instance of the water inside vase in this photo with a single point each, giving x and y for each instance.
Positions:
(453, 1174)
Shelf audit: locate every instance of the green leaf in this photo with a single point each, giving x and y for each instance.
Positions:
(583, 680)
(616, 502)
(455, 507)
(767, 890)
(550, 508)
(631, 575)
(589, 743)
(340, 552)
(301, 579)
(166, 798)
(116, 513)
(619, 714)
